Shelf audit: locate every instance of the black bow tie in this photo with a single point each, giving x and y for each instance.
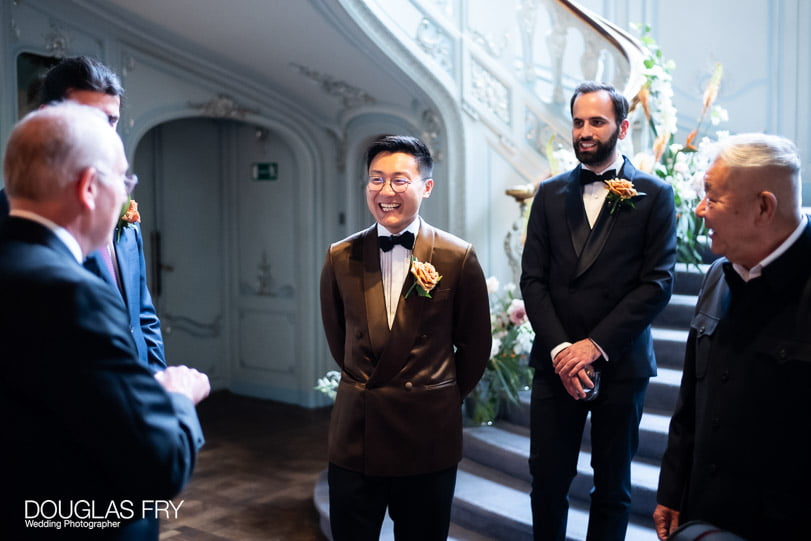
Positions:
(406, 240)
(587, 177)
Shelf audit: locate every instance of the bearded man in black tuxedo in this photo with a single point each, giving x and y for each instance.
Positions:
(597, 267)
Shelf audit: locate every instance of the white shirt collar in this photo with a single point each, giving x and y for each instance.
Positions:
(414, 227)
(757, 270)
(61, 233)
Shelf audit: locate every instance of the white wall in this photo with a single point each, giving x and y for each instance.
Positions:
(764, 46)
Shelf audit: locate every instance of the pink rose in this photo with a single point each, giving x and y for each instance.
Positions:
(516, 312)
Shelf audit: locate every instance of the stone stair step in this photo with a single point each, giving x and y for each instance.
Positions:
(668, 345)
(663, 391)
(505, 448)
(487, 504)
(689, 278)
(491, 503)
(678, 313)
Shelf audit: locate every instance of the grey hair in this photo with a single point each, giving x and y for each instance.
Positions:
(747, 150)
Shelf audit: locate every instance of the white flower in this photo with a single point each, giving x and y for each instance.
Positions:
(669, 119)
(643, 161)
(496, 347)
(492, 285)
(718, 114)
(329, 383)
(509, 288)
(524, 339)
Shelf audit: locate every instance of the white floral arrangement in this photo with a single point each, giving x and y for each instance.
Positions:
(507, 372)
(328, 384)
(681, 165)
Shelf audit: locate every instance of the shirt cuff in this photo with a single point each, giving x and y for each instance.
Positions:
(602, 351)
(557, 349)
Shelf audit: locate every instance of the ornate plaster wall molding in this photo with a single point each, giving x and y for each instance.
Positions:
(339, 140)
(490, 92)
(56, 42)
(223, 106)
(495, 47)
(351, 96)
(431, 133)
(436, 42)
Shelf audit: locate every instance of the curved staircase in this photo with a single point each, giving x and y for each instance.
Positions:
(492, 487)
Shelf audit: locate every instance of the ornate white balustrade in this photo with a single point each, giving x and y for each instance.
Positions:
(513, 63)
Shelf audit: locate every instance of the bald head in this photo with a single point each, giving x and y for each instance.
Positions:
(49, 147)
(66, 163)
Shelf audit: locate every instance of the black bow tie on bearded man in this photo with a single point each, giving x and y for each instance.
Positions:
(587, 177)
(406, 240)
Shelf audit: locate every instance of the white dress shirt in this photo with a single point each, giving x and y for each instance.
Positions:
(394, 267)
(594, 193)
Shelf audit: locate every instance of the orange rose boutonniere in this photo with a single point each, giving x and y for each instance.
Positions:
(129, 216)
(621, 192)
(426, 278)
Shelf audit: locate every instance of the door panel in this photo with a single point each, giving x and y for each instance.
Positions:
(222, 249)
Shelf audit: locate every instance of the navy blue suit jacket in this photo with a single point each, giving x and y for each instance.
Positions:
(143, 319)
(606, 283)
(83, 418)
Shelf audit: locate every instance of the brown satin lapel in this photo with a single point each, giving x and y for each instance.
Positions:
(404, 329)
(373, 293)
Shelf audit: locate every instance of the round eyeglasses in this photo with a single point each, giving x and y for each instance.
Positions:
(398, 184)
(130, 181)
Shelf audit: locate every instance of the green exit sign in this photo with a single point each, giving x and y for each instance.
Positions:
(265, 171)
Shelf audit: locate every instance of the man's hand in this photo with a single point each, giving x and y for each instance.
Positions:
(575, 385)
(665, 520)
(575, 358)
(186, 381)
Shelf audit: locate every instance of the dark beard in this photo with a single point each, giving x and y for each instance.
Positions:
(603, 152)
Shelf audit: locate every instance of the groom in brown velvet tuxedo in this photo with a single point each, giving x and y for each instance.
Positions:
(409, 353)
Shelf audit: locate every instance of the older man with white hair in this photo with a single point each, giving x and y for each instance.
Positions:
(740, 438)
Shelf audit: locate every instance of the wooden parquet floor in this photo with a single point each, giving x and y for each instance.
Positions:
(254, 477)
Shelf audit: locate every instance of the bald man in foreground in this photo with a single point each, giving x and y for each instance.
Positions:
(93, 439)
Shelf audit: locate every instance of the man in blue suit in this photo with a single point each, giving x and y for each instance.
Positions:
(94, 438)
(597, 268)
(89, 82)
